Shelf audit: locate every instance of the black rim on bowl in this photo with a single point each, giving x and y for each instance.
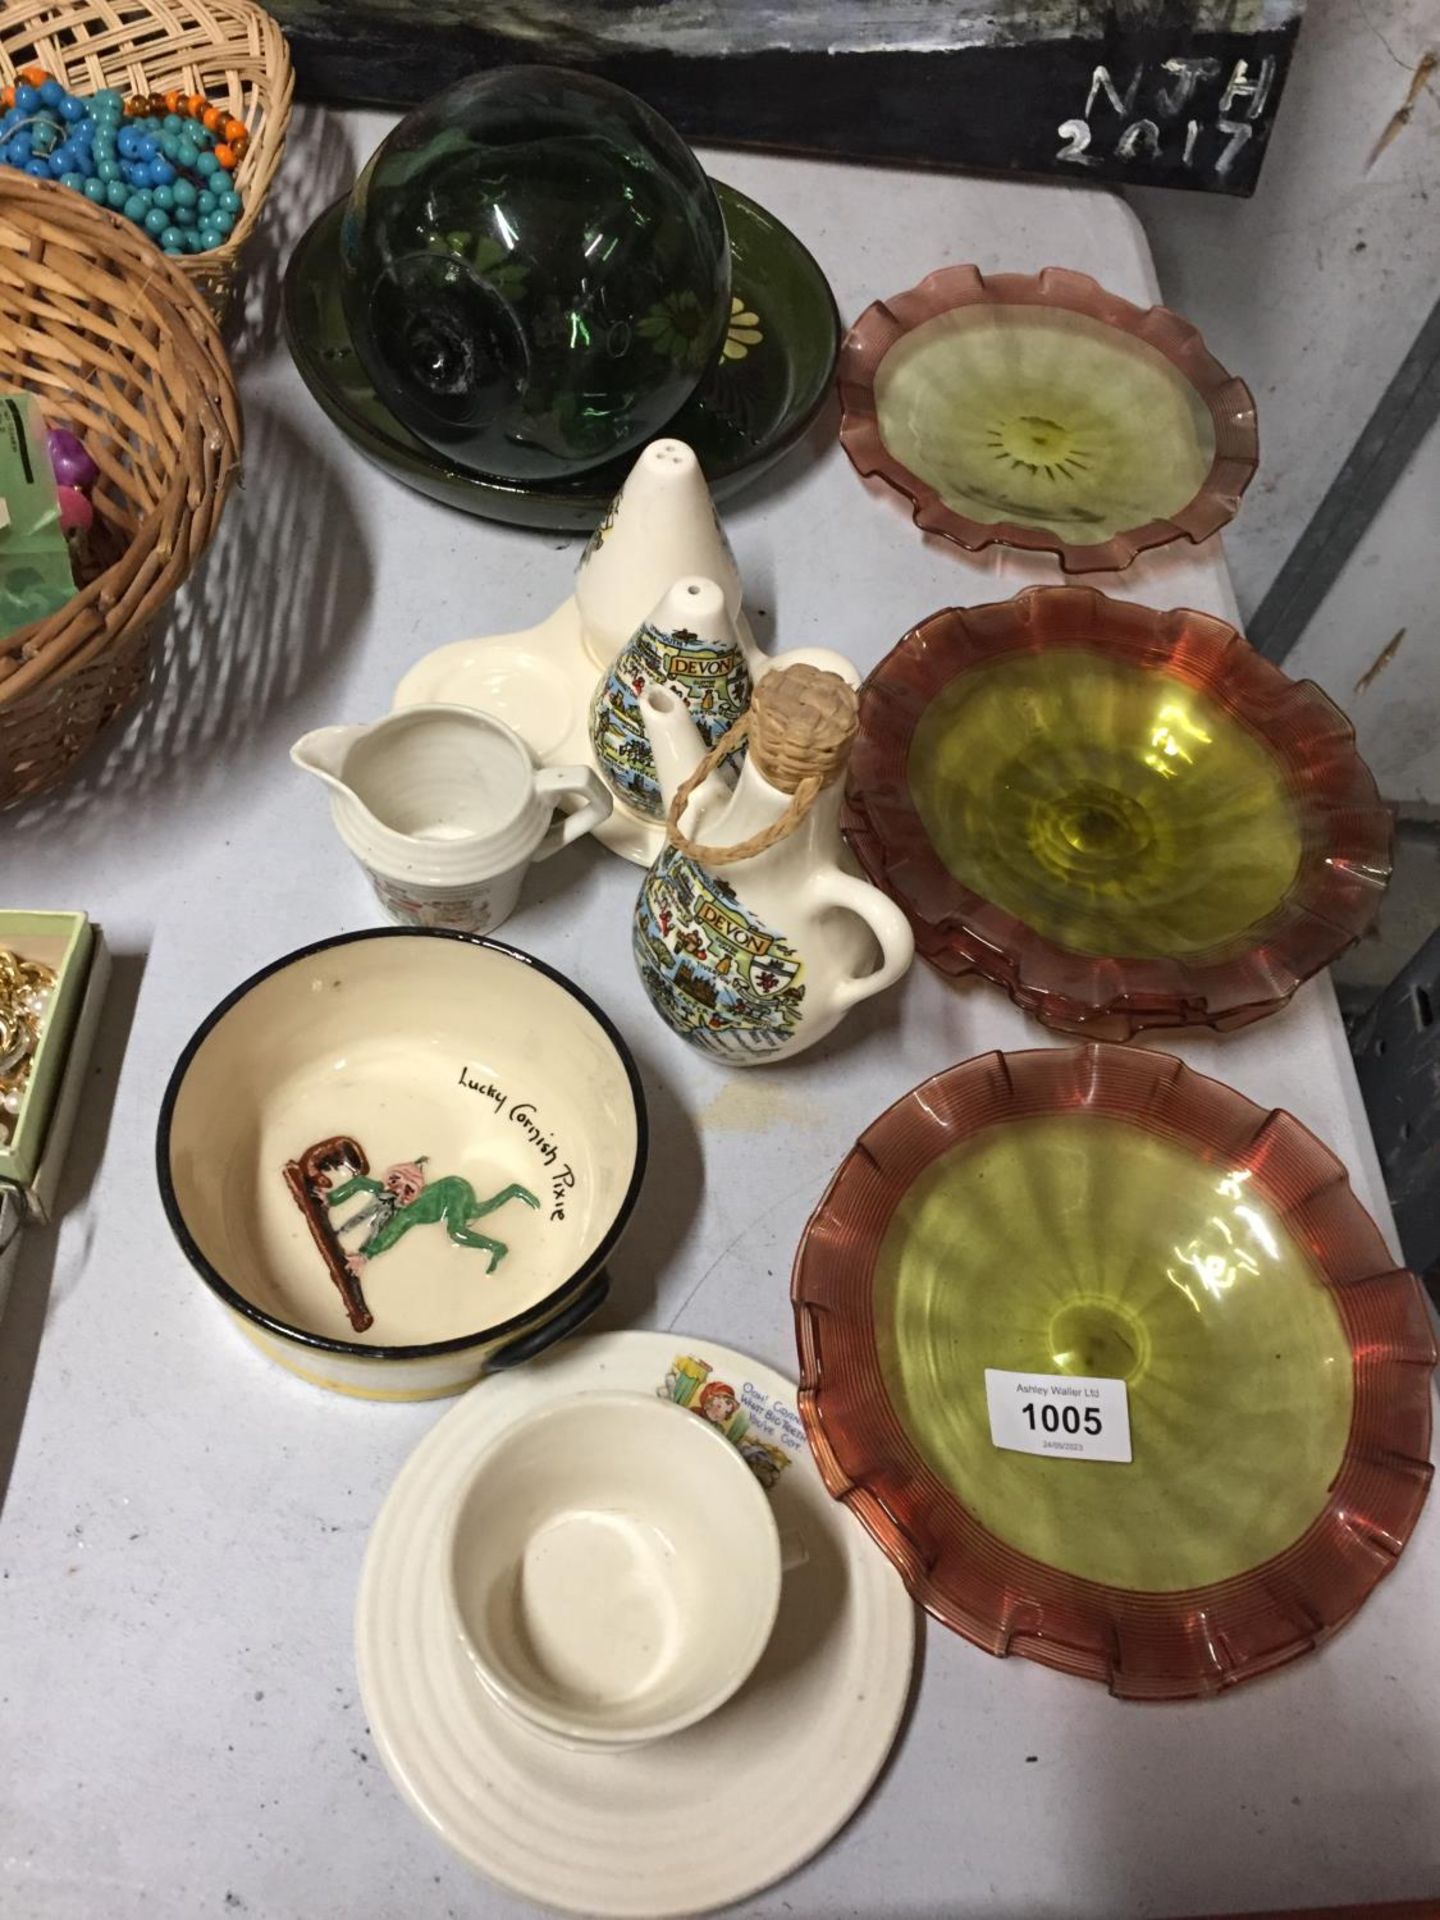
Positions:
(428, 1350)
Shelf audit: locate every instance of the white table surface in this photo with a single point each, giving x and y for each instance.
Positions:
(185, 1522)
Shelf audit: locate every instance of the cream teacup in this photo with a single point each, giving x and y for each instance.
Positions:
(614, 1570)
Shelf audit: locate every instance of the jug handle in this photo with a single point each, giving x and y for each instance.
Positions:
(596, 804)
(891, 929)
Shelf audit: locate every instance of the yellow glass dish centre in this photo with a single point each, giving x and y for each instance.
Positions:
(1083, 1245)
(1027, 440)
(1114, 809)
(1044, 417)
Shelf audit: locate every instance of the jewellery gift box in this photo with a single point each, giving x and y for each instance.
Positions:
(34, 1140)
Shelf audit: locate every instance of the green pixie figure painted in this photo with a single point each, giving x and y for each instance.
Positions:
(405, 1199)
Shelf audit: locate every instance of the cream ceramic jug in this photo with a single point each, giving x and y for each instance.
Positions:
(752, 939)
(444, 809)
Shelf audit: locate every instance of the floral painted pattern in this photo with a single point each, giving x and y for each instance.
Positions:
(743, 331)
(677, 327)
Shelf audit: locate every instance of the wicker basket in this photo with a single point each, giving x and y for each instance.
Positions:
(229, 50)
(120, 347)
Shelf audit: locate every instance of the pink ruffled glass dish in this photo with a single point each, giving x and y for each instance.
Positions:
(1044, 412)
(1125, 818)
(1105, 1213)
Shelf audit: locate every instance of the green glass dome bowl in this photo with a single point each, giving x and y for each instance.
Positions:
(535, 272)
(1106, 1213)
(771, 377)
(1125, 818)
(1044, 412)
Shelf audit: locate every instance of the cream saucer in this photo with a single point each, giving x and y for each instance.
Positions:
(697, 1821)
(540, 683)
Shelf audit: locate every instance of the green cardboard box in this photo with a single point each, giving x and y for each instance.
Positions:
(63, 941)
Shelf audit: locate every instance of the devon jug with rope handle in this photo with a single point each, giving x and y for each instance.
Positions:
(752, 937)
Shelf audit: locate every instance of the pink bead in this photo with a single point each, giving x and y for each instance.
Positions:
(76, 513)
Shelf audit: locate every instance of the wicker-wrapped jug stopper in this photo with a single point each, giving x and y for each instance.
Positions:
(803, 722)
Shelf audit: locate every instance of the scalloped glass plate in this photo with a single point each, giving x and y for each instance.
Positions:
(1107, 1212)
(1042, 411)
(1126, 818)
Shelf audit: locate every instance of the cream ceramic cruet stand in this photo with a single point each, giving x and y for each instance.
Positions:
(662, 528)
(752, 939)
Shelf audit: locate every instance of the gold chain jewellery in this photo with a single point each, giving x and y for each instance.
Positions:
(25, 989)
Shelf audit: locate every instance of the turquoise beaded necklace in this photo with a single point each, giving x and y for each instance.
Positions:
(158, 170)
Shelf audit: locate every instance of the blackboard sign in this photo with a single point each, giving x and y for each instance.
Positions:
(1178, 93)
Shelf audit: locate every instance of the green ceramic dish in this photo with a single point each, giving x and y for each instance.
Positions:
(773, 376)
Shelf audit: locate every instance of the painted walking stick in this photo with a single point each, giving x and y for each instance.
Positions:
(304, 1178)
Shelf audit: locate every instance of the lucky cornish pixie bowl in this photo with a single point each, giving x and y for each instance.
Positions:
(401, 1158)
